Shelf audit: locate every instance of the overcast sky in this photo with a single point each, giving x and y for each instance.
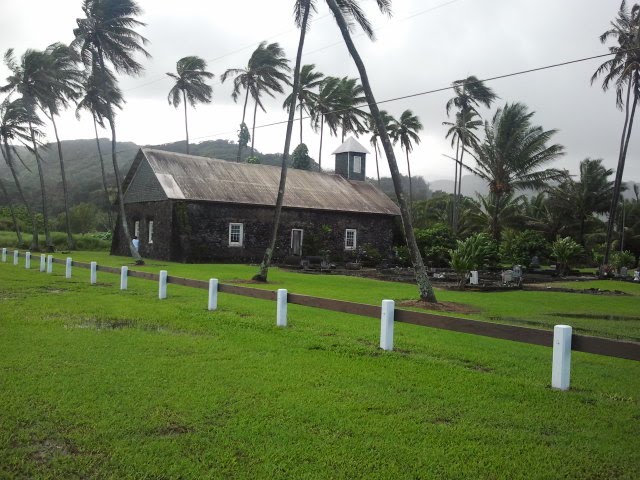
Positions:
(427, 44)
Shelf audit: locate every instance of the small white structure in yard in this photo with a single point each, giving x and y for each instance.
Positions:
(507, 276)
(473, 279)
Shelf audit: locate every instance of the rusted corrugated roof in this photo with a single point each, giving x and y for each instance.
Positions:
(207, 179)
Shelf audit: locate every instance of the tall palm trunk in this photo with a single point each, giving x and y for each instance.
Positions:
(104, 175)
(410, 186)
(424, 285)
(244, 114)
(375, 149)
(253, 129)
(495, 221)
(624, 143)
(186, 123)
(301, 112)
(45, 202)
(65, 192)
(268, 254)
(459, 197)
(35, 244)
(5, 194)
(116, 170)
(455, 189)
(320, 152)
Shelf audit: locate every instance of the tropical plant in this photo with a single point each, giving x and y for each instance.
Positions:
(622, 259)
(15, 119)
(470, 93)
(107, 35)
(350, 98)
(519, 247)
(473, 253)
(435, 243)
(266, 72)
(190, 87)
(346, 13)
(565, 251)
(310, 80)
(325, 110)
(622, 71)
(406, 131)
(300, 158)
(95, 101)
(375, 135)
(512, 155)
(489, 213)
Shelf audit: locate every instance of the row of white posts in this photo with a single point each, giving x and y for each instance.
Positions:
(561, 367)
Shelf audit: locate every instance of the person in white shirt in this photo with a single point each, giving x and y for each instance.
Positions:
(135, 242)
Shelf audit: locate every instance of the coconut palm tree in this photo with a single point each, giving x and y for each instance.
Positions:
(375, 135)
(16, 122)
(406, 131)
(61, 66)
(310, 80)
(107, 35)
(32, 79)
(94, 101)
(623, 72)
(352, 10)
(324, 109)
(512, 155)
(265, 72)
(190, 86)
(353, 119)
(491, 214)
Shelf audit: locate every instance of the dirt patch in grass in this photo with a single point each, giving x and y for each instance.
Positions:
(172, 429)
(450, 307)
(48, 449)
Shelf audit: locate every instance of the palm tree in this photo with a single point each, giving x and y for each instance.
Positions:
(406, 131)
(265, 72)
(470, 93)
(324, 109)
(375, 135)
(62, 67)
(107, 35)
(512, 154)
(350, 97)
(94, 101)
(190, 86)
(310, 80)
(623, 71)
(15, 122)
(491, 214)
(32, 79)
(352, 10)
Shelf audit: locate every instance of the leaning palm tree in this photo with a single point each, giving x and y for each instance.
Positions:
(375, 135)
(406, 131)
(352, 11)
(310, 80)
(107, 35)
(32, 79)
(190, 86)
(265, 72)
(623, 72)
(325, 109)
(351, 98)
(95, 102)
(61, 66)
(512, 155)
(15, 122)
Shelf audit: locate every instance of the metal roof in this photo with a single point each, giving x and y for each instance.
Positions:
(206, 179)
(351, 145)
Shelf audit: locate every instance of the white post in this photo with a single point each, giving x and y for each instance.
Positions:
(93, 279)
(67, 270)
(43, 263)
(124, 277)
(561, 370)
(4, 255)
(27, 260)
(213, 294)
(16, 256)
(386, 324)
(281, 310)
(49, 263)
(162, 288)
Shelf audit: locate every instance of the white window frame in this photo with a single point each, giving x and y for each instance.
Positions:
(150, 231)
(301, 237)
(136, 228)
(357, 161)
(346, 239)
(240, 234)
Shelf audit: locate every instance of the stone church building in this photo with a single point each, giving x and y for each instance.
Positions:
(194, 209)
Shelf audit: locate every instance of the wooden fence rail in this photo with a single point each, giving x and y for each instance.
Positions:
(582, 343)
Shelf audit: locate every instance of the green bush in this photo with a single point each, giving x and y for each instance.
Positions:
(565, 251)
(518, 248)
(622, 259)
(473, 253)
(436, 242)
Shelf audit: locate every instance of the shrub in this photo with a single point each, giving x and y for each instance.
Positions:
(300, 158)
(473, 253)
(519, 248)
(436, 243)
(402, 256)
(622, 259)
(565, 251)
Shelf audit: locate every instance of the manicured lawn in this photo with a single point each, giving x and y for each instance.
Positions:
(98, 383)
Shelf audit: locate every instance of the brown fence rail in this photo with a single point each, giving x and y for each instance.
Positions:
(581, 343)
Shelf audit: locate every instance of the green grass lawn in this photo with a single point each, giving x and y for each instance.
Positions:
(98, 383)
